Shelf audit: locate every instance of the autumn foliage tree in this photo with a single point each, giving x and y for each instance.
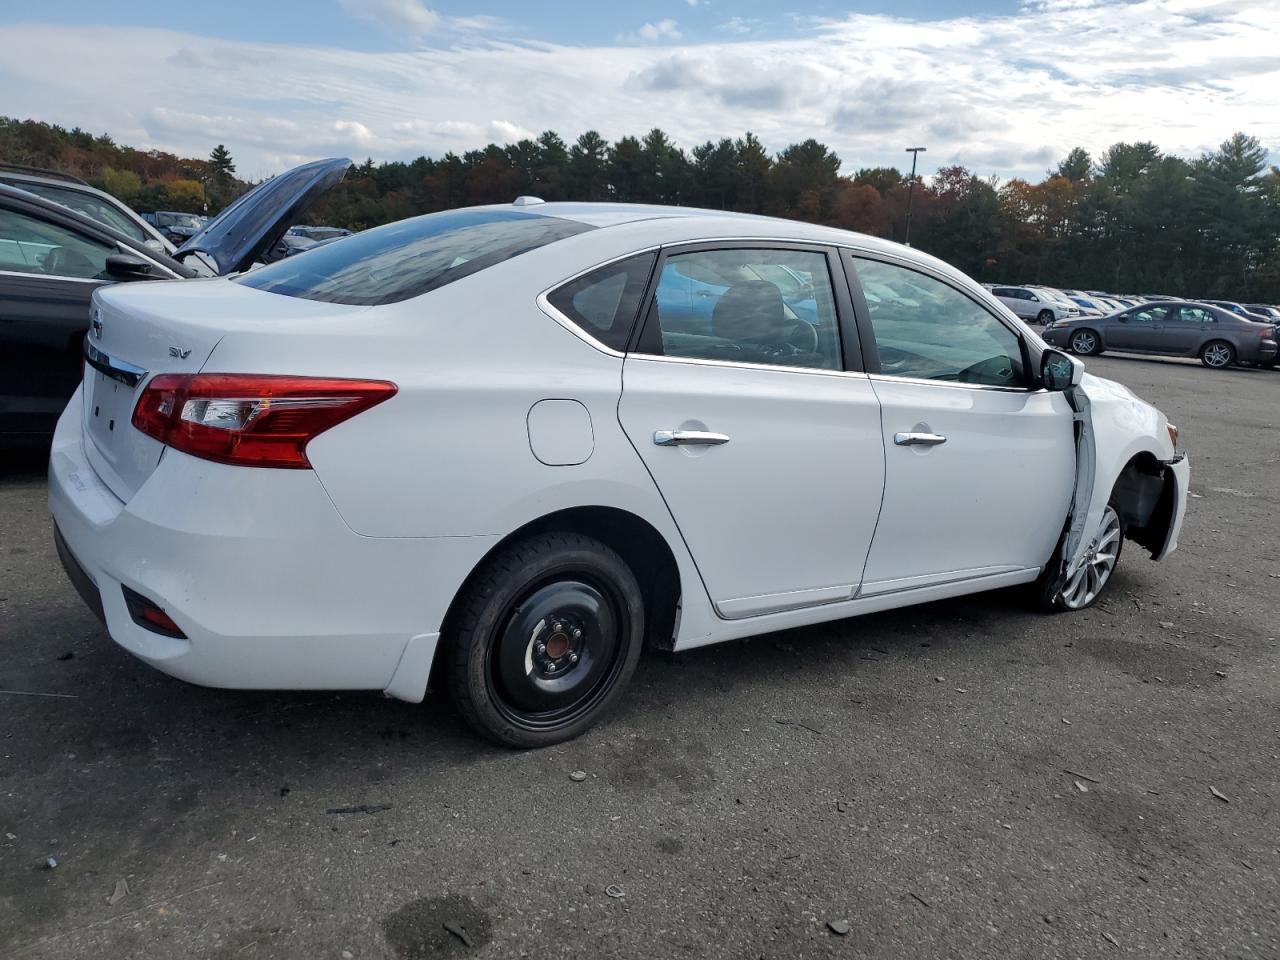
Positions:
(1131, 219)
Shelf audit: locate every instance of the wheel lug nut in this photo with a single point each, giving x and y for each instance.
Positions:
(551, 668)
(573, 658)
(577, 634)
(540, 649)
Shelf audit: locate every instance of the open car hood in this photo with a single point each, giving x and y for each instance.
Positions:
(253, 224)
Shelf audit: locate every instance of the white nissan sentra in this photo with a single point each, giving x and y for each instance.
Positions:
(502, 448)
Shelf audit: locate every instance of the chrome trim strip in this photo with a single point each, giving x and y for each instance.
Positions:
(736, 365)
(885, 378)
(49, 276)
(119, 370)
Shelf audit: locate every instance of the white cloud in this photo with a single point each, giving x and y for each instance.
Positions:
(1183, 73)
(409, 16)
(414, 20)
(740, 25)
(666, 29)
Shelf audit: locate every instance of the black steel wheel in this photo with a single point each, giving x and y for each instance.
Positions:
(545, 639)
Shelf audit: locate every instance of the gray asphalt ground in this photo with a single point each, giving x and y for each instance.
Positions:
(964, 779)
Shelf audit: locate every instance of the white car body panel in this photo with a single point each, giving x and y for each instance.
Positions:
(991, 498)
(813, 433)
(342, 576)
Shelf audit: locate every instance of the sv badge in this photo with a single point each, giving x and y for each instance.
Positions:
(179, 352)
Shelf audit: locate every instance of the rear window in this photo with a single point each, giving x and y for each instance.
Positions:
(411, 257)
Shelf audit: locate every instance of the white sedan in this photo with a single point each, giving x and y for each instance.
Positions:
(501, 448)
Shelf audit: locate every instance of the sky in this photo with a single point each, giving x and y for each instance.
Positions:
(1004, 87)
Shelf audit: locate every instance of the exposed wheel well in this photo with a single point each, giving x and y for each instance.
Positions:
(635, 540)
(1144, 495)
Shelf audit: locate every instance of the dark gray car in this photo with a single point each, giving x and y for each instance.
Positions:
(1171, 328)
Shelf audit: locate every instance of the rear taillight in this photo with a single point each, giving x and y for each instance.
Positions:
(250, 419)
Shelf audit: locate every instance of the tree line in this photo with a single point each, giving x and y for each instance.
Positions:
(1130, 220)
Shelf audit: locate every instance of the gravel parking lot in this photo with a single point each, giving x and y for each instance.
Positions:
(962, 779)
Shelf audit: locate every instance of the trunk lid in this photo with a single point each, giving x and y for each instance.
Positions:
(138, 330)
(244, 232)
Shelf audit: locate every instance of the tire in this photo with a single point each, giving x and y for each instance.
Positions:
(1085, 342)
(1089, 583)
(1218, 354)
(1045, 317)
(544, 640)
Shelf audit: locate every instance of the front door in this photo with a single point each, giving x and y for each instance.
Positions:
(1139, 329)
(766, 450)
(979, 468)
(47, 275)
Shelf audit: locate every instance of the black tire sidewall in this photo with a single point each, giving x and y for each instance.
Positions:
(505, 577)
(1045, 316)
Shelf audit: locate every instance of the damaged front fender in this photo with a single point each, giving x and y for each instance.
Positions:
(1124, 456)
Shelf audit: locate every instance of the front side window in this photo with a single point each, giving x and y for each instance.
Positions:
(604, 303)
(410, 257)
(927, 330)
(30, 245)
(746, 306)
(1149, 315)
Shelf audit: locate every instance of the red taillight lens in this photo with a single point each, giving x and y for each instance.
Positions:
(250, 419)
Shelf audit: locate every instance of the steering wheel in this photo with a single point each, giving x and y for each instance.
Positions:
(55, 261)
(801, 331)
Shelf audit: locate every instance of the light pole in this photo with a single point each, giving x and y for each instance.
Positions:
(911, 185)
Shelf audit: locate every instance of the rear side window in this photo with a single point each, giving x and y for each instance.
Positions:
(411, 257)
(604, 302)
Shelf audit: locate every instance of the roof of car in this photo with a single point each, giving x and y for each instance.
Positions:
(726, 223)
(38, 173)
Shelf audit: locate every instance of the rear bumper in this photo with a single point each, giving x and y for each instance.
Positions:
(270, 586)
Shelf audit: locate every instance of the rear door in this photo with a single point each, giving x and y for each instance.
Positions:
(48, 272)
(979, 465)
(762, 433)
(1186, 327)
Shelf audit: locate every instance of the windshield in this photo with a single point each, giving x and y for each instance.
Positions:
(408, 258)
(178, 220)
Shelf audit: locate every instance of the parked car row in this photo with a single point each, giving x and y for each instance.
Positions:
(1221, 333)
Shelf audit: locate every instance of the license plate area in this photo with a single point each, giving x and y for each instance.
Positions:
(108, 407)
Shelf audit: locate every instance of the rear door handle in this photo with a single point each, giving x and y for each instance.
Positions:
(918, 439)
(688, 438)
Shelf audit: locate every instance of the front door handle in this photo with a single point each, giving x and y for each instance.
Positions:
(688, 438)
(918, 439)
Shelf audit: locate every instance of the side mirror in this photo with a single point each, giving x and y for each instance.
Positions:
(1034, 298)
(126, 266)
(1059, 370)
